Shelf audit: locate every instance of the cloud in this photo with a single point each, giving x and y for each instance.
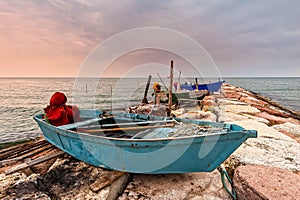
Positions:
(237, 34)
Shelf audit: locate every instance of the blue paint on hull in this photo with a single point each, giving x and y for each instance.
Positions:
(197, 153)
(211, 87)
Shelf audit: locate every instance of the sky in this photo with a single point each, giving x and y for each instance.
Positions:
(55, 38)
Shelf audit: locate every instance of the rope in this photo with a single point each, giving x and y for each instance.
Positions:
(224, 174)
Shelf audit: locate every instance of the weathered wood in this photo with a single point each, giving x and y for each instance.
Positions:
(118, 186)
(30, 150)
(9, 161)
(170, 88)
(20, 150)
(146, 90)
(33, 162)
(105, 181)
(127, 128)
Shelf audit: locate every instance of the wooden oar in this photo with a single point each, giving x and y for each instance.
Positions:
(146, 90)
(128, 128)
(130, 123)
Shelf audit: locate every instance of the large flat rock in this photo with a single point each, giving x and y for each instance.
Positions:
(176, 187)
(261, 182)
(271, 148)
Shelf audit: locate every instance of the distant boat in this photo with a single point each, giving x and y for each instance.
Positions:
(196, 94)
(210, 87)
(146, 144)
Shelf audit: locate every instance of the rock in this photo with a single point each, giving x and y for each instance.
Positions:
(289, 127)
(253, 101)
(274, 119)
(208, 103)
(258, 119)
(210, 98)
(272, 111)
(261, 182)
(239, 109)
(264, 131)
(176, 186)
(230, 102)
(271, 148)
(232, 95)
(230, 117)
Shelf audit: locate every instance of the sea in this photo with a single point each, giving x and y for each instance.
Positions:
(23, 98)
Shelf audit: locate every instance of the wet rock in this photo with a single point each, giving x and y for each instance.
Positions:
(176, 186)
(261, 182)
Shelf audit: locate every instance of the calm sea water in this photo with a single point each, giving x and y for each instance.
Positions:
(22, 98)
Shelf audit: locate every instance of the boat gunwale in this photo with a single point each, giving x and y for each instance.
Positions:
(65, 131)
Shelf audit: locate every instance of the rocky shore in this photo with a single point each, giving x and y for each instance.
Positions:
(267, 167)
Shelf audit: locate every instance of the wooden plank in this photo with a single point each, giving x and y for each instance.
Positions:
(20, 149)
(75, 125)
(30, 150)
(127, 128)
(33, 162)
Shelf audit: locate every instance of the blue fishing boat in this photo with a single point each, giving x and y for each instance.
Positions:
(146, 144)
(210, 87)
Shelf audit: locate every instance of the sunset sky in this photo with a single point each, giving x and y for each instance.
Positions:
(52, 38)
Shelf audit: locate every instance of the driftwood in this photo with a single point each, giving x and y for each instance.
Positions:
(106, 180)
(33, 162)
(118, 186)
(18, 150)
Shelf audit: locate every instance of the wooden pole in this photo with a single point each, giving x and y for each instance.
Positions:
(170, 89)
(127, 128)
(146, 90)
(111, 98)
(196, 83)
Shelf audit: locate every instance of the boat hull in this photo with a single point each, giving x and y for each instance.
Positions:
(148, 156)
(210, 87)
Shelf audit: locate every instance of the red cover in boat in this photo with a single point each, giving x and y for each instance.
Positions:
(58, 113)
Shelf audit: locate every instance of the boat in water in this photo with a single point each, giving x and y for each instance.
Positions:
(146, 144)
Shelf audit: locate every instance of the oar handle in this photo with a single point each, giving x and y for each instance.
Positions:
(128, 128)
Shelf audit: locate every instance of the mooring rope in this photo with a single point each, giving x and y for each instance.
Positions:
(224, 174)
